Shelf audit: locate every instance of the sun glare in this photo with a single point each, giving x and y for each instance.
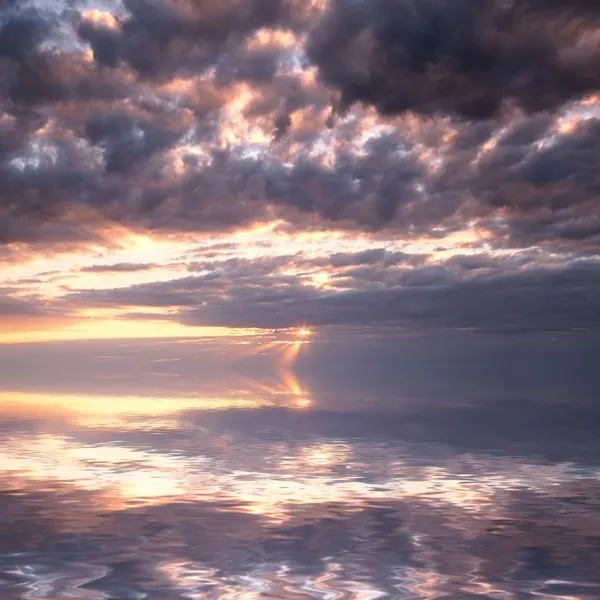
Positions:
(304, 332)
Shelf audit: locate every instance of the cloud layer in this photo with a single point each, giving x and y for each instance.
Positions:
(473, 126)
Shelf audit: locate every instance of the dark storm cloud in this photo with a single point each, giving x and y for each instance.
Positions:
(525, 189)
(368, 190)
(560, 174)
(159, 39)
(254, 67)
(16, 130)
(126, 141)
(116, 164)
(34, 73)
(195, 117)
(33, 200)
(87, 158)
(366, 257)
(526, 132)
(234, 190)
(22, 34)
(237, 268)
(459, 57)
(282, 125)
(545, 189)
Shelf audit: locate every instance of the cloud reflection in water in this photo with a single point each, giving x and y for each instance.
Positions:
(228, 490)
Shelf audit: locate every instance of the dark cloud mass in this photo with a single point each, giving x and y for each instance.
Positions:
(159, 39)
(393, 120)
(457, 56)
(107, 132)
(465, 293)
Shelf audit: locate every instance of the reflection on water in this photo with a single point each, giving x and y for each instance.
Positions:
(235, 486)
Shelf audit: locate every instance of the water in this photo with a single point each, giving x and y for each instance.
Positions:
(134, 473)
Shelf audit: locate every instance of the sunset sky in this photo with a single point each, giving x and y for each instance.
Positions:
(184, 168)
(299, 299)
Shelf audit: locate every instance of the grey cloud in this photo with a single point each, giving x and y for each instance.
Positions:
(282, 125)
(527, 132)
(22, 34)
(464, 293)
(126, 141)
(160, 39)
(368, 257)
(241, 267)
(118, 268)
(234, 190)
(14, 307)
(522, 190)
(548, 193)
(254, 67)
(458, 57)
(539, 300)
(368, 190)
(469, 134)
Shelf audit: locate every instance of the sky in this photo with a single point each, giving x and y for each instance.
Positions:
(191, 168)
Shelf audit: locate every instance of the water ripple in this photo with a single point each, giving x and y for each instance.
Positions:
(245, 504)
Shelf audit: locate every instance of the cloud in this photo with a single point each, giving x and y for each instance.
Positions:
(87, 141)
(126, 141)
(509, 303)
(474, 124)
(118, 268)
(457, 57)
(161, 39)
(14, 307)
(22, 33)
(469, 293)
(543, 183)
(20, 314)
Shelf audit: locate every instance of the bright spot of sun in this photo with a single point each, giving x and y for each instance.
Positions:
(302, 402)
(304, 332)
(320, 279)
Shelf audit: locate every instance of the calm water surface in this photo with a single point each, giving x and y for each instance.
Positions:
(166, 484)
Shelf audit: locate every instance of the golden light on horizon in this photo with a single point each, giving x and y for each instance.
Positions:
(106, 328)
(163, 259)
(303, 403)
